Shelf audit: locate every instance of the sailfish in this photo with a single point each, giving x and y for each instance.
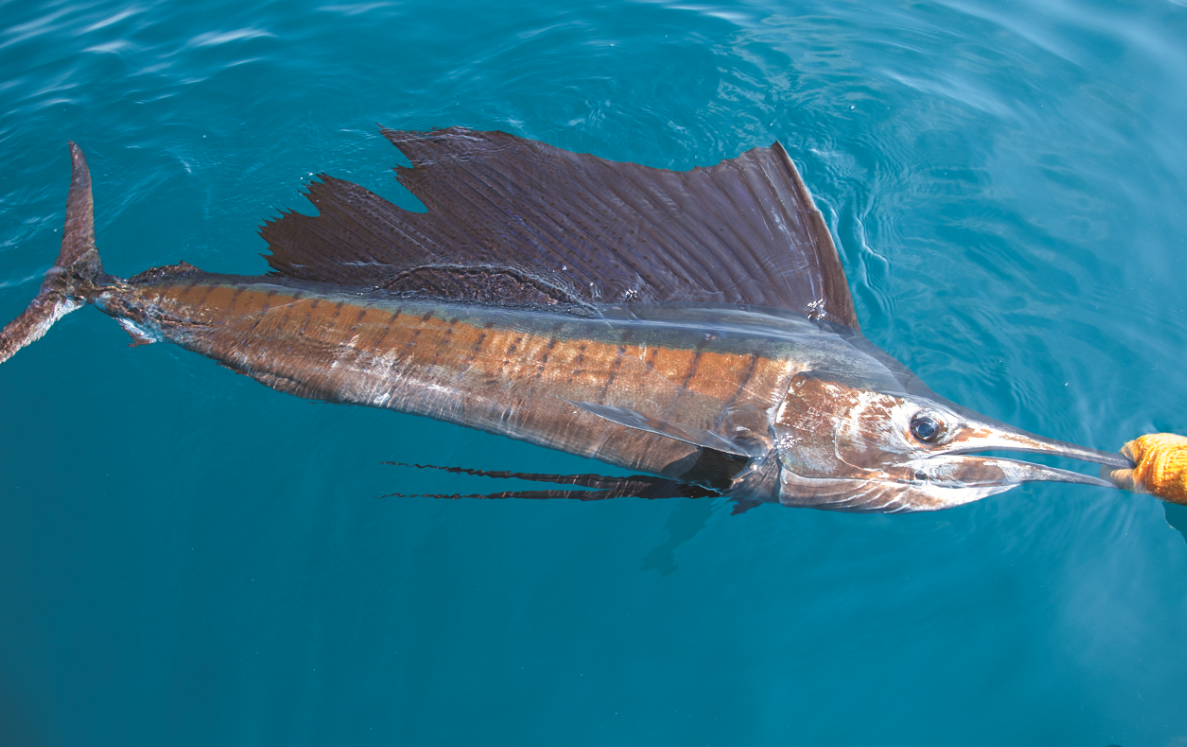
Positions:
(692, 327)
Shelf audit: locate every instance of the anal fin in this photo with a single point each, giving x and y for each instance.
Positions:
(139, 335)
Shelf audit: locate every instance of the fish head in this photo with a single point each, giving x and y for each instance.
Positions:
(848, 446)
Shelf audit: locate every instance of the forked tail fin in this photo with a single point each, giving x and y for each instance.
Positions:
(69, 283)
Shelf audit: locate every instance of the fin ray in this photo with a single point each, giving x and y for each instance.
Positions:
(743, 231)
(67, 284)
(603, 487)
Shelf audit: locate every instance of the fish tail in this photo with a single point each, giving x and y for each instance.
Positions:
(73, 280)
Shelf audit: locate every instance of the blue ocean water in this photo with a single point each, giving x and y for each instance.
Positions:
(189, 558)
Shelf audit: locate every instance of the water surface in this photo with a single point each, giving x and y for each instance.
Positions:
(191, 558)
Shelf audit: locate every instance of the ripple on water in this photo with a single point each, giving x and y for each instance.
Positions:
(1005, 185)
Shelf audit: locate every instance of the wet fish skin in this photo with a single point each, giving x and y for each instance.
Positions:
(507, 371)
(760, 404)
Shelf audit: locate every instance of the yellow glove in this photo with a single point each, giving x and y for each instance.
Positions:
(1161, 467)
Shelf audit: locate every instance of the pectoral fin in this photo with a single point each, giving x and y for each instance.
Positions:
(687, 434)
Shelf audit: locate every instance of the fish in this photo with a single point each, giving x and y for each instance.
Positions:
(694, 328)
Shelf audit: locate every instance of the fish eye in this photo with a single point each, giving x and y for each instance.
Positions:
(925, 428)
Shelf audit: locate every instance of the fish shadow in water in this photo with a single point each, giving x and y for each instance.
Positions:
(686, 519)
(1176, 516)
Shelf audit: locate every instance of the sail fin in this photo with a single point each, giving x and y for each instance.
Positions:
(574, 227)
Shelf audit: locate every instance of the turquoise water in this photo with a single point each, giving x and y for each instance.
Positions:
(190, 558)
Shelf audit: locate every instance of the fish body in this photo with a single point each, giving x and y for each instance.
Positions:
(679, 358)
(514, 372)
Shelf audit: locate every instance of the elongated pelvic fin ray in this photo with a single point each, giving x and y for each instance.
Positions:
(743, 231)
(602, 487)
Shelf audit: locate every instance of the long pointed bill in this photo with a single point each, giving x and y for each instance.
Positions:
(983, 472)
(995, 471)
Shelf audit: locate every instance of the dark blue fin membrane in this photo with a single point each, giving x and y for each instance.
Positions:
(602, 487)
(519, 222)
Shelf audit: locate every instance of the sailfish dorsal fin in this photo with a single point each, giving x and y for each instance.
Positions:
(550, 224)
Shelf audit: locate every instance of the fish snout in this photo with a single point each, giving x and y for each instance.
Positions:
(973, 470)
(952, 471)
